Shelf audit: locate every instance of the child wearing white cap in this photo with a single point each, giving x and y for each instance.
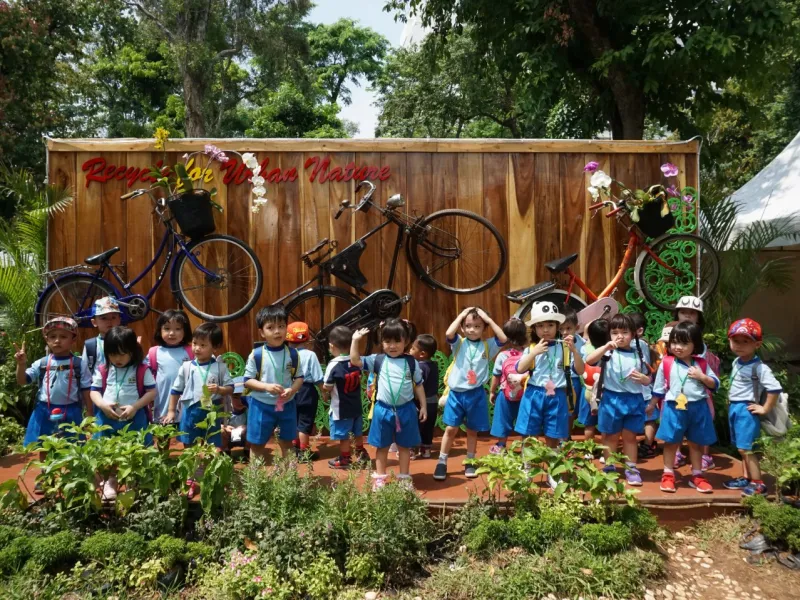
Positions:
(105, 315)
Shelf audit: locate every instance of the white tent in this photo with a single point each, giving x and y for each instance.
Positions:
(773, 193)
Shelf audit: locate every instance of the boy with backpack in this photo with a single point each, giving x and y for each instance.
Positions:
(423, 349)
(105, 315)
(509, 383)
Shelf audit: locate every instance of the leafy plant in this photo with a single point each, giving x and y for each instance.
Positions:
(781, 458)
(11, 434)
(14, 555)
(55, 551)
(780, 523)
(105, 547)
(168, 549)
(606, 539)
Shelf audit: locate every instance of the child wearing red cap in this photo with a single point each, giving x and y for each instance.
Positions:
(307, 398)
(750, 378)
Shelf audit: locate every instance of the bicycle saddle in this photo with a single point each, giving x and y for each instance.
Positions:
(560, 265)
(98, 259)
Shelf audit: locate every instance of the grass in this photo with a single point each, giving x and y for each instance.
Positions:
(722, 530)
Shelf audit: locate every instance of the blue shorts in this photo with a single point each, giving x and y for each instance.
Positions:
(262, 419)
(342, 428)
(745, 426)
(505, 415)
(383, 429)
(577, 390)
(620, 410)
(40, 424)
(470, 406)
(653, 416)
(585, 415)
(694, 423)
(190, 417)
(137, 423)
(542, 414)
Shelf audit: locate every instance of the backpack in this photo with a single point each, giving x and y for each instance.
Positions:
(669, 360)
(76, 370)
(572, 394)
(376, 370)
(141, 369)
(258, 357)
(776, 422)
(152, 357)
(597, 389)
(446, 392)
(511, 382)
(91, 353)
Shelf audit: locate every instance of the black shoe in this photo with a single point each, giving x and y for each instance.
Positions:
(469, 472)
(440, 472)
(646, 450)
(340, 462)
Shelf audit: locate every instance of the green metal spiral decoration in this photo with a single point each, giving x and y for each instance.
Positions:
(235, 363)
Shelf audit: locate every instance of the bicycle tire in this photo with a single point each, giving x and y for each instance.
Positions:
(655, 292)
(557, 297)
(59, 294)
(315, 320)
(190, 304)
(417, 240)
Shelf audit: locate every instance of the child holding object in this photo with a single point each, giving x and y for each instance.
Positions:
(507, 385)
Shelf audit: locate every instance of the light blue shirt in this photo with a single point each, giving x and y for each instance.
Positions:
(101, 354)
(59, 380)
(126, 394)
(394, 377)
(471, 356)
(742, 383)
(169, 360)
(579, 342)
(694, 390)
(647, 390)
(192, 376)
(276, 367)
(308, 366)
(549, 367)
(623, 361)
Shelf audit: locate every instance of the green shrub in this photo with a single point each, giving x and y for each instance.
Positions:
(8, 534)
(167, 548)
(489, 535)
(606, 539)
(363, 569)
(11, 434)
(536, 535)
(55, 551)
(322, 579)
(15, 554)
(640, 521)
(124, 547)
(780, 523)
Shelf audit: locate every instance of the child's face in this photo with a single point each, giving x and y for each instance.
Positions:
(417, 353)
(682, 350)
(744, 346)
(119, 360)
(274, 333)
(567, 328)
(622, 337)
(547, 330)
(203, 349)
(106, 322)
(394, 348)
(688, 315)
(172, 333)
(473, 327)
(60, 342)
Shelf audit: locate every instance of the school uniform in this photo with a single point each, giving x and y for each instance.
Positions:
(345, 413)
(467, 401)
(622, 404)
(647, 390)
(430, 383)
(577, 380)
(585, 415)
(192, 376)
(695, 423)
(307, 398)
(121, 389)
(745, 426)
(394, 417)
(169, 360)
(505, 410)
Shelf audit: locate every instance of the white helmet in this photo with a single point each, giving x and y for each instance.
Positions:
(690, 302)
(544, 311)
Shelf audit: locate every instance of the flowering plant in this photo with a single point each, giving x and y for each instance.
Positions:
(669, 197)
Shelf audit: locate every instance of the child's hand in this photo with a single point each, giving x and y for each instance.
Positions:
(695, 373)
(138, 339)
(361, 333)
(492, 396)
(611, 345)
(423, 413)
(570, 342)
(287, 394)
(757, 409)
(20, 355)
(540, 348)
(639, 377)
(126, 413)
(109, 410)
(273, 388)
(170, 418)
(213, 388)
(482, 314)
(651, 406)
(465, 311)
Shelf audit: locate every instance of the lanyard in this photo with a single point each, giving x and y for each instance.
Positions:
(753, 364)
(117, 383)
(551, 360)
(283, 362)
(473, 352)
(395, 397)
(683, 381)
(47, 380)
(621, 377)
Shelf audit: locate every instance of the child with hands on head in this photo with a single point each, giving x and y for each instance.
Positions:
(598, 335)
(398, 379)
(622, 410)
(274, 380)
(507, 386)
(681, 381)
(466, 401)
(172, 348)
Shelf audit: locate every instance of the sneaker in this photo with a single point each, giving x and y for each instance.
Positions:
(602, 460)
(497, 449)
(609, 469)
(110, 489)
(647, 450)
(633, 477)
(379, 482)
(440, 472)
(362, 457)
(340, 462)
(708, 462)
(680, 459)
(755, 489)
(406, 483)
(701, 484)
(469, 472)
(393, 448)
(426, 452)
(194, 489)
(668, 483)
(413, 453)
(737, 484)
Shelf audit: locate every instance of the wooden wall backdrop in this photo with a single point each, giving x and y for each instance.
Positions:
(534, 191)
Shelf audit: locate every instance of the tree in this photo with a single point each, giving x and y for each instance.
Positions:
(341, 53)
(642, 58)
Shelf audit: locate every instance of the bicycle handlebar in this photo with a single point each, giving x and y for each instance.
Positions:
(130, 195)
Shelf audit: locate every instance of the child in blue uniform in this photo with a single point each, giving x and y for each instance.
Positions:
(106, 314)
(394, 418)
(307, 398)
(506, 390)
(469, 372)
(575, 391)
(598, 335)
(682, 380)
(172, 347)
(423, 349)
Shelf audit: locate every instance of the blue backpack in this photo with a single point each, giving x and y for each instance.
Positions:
(258, 357)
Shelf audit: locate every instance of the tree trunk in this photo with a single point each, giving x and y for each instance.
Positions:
(193, 94)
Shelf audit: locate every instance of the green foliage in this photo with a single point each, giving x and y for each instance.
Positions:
(606, 539)
(11, 432)
(641, 522)
(14, 555)
(55, 551)
(9, 534)
(780, 523)
(105, 546)
(168, 549)
(322, 579)
(781, 458)
(198, 551)
(363, 569)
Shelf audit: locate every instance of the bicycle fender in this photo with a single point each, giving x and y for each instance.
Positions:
(82, 319)
(526, 306)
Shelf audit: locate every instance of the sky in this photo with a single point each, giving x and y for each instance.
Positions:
(369, 13)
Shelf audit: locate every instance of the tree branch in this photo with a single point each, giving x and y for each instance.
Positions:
(138, 6)
(225, 53)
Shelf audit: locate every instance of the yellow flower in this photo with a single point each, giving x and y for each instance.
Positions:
(161, 136)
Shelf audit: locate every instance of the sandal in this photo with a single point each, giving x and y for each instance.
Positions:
(757, 545)
(790, 561)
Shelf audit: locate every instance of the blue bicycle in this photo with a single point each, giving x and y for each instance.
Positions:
(216, 277)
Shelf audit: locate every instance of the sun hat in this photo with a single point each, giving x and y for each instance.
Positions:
(297, 332)
(544, 311)
(65, 323)
(747, 327)
(666, 330)
(105, 306)
(690, 302)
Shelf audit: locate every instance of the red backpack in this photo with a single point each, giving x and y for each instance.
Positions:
(152, 357)
(141, 369)
(667, 363)
(511, 382)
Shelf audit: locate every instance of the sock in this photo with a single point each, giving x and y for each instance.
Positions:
(345, 454)
(379, 476)
(757, 481)
(404, 476)
(303, 446)
(668, 470)
(695, 473)
(470, 455)
(443, 458)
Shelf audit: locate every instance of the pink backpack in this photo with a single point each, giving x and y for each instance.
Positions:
(702, 364)
(152, 357)
(510, 380)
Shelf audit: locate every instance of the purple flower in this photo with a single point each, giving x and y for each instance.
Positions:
(591, 166)
(669, 170)
(673, 206)
(688, 198)
(673, 191)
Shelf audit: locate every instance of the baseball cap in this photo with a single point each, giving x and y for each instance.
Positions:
(747, 327)
(65, 323)
(297, 332)
(105, 306)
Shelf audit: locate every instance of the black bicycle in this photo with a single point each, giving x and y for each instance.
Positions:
(453, 250)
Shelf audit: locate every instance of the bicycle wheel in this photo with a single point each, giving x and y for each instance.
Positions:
(696, 270)
(557, 297)
(72, 296)
(457, 251)
(317, 307)
(227, 286)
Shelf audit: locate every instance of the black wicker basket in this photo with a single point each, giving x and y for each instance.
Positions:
(193, 212)
(652, 223)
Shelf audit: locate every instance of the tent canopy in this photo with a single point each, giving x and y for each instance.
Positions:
(773, 193)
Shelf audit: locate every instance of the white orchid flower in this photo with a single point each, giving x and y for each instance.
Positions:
(594, 192)
(250, 160)
(257, 181)
(600, 179)
(259, 190)
(256, 170)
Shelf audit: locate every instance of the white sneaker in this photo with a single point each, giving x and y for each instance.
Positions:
(110, 489)
(602, 460)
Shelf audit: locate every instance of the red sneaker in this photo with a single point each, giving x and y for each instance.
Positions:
(701, 484)
(194, 489)
(668, 483)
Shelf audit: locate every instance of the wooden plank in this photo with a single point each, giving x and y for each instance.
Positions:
(242, 332)
(521, 213)
(266, 231)
(470, 197)
(341, 228)
(373, 256)
(423, 297)
(574, 214)
(495, 209)
(599, 236)
(394, 185)
(163, 299)
(291, 227)
(62, 226)
(88, 213)
(444, 194)
(547, 198)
